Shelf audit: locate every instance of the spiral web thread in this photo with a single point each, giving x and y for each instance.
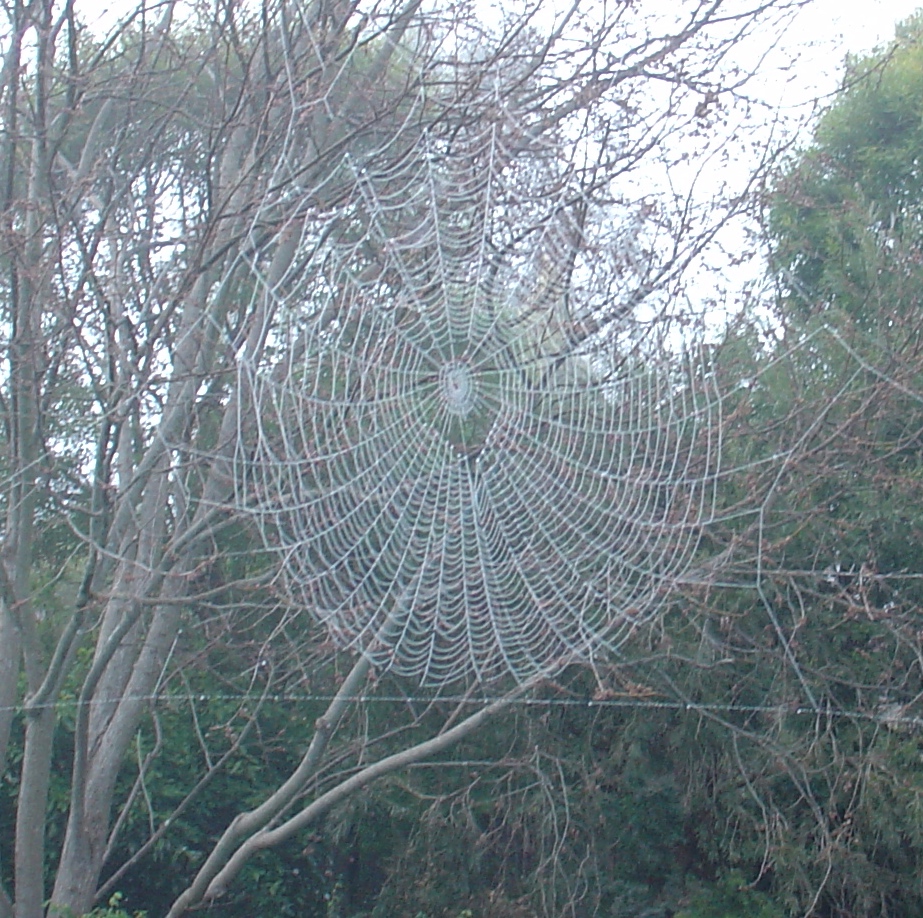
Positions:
(462, 460)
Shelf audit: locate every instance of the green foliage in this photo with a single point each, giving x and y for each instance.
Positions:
(824, 431)
(114, 909)
(847, 216)
(731, 897)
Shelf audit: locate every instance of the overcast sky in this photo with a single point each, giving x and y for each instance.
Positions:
(806, 66)
(832, 27)
(826, 30)
(858, 24)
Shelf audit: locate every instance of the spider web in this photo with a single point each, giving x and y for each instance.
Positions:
(463, 460)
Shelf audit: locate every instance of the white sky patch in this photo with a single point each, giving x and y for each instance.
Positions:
(807, 66)
(855, 26)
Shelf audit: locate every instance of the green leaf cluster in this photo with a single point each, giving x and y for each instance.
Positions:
(846, 216)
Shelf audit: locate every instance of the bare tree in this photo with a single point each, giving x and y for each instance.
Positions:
(170, 189)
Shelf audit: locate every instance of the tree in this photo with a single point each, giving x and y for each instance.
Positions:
(846, 216)
(168, 187)
(803, 656)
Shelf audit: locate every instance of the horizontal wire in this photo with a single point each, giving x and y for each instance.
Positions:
(626, 702)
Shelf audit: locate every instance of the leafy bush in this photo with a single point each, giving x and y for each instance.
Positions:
(731, 897)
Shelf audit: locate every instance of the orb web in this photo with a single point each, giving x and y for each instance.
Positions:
(463, 463)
